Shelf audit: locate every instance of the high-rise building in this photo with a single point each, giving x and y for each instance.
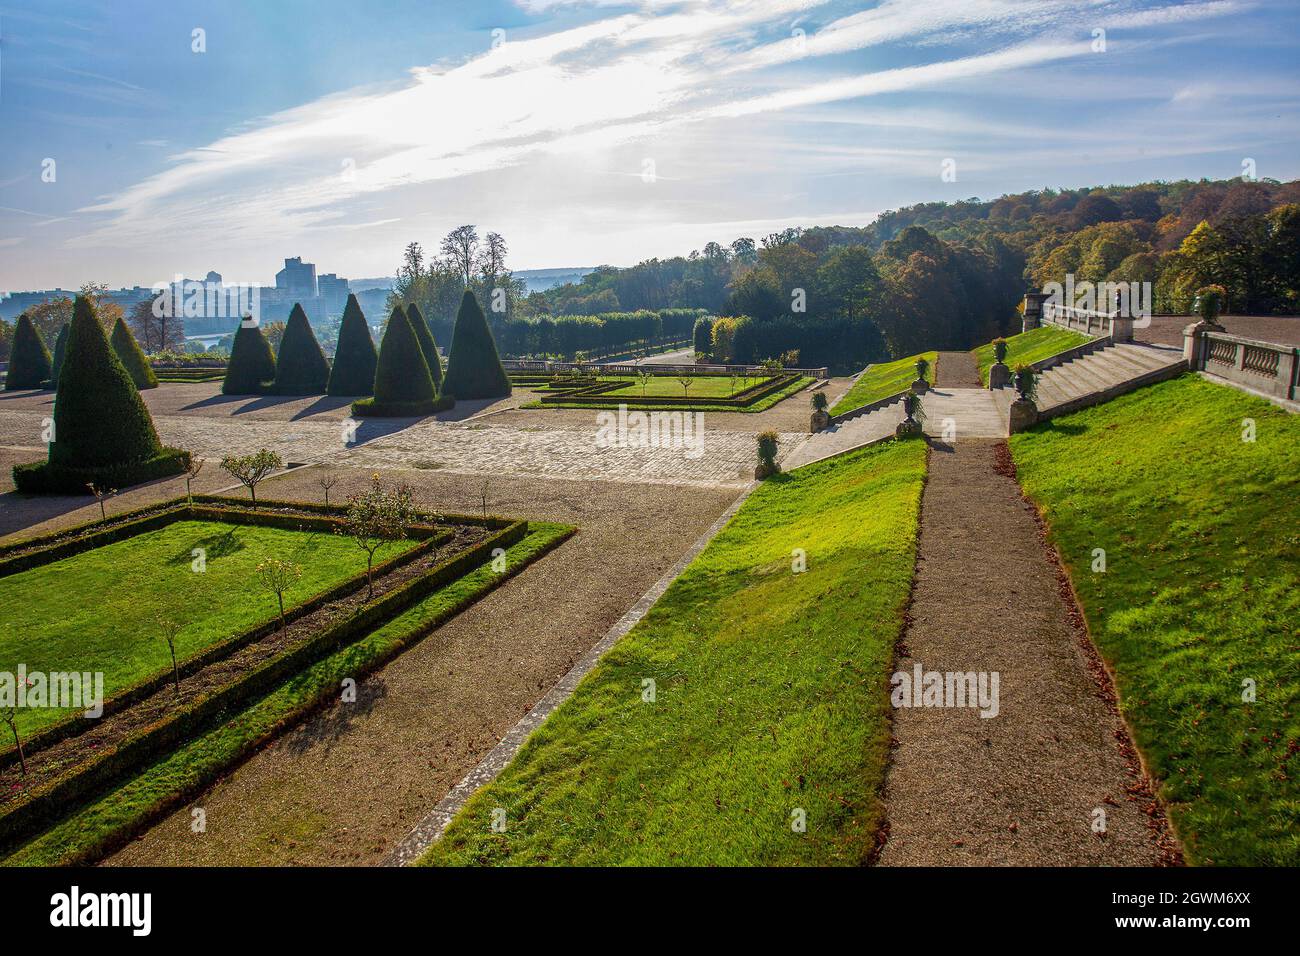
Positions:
(297, 280)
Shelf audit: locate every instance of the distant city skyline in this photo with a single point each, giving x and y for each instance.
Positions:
(147, 140)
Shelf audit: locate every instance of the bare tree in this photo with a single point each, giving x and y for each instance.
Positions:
(492, 260)
(156, 326)
(101, 494)
(376, 517)
(686, 381)
(10, 716)
(327, 482)
(248, 470)
(461, 248)
(169, 627)
(276, 576)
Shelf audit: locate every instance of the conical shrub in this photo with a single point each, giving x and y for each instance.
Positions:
(427, 344)
(29, 359)
(353, 371)
(252, 363)
(300, 366)
(403, 385)
(474, 368)
(132, 356)
(60, 348)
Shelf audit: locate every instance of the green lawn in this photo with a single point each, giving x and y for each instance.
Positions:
(700, 402)
(1029, 347)
(99, 610)
(770, 696)
(1201, 592)
(110, 820)
(879, 381)
(702, 386)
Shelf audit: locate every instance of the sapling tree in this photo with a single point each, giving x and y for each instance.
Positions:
(276, 576)
(192, 472)
(686, 381)
(10, 716)
(643, 375)
(327, 482)
(374, 518)
(100, 495)
(483, 494)
(168, 628)
(249, 470)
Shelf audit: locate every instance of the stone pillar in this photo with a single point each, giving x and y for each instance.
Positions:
(999, 375)
(1024, 414)
(1033, 310)
(821, 420)
(1194, 344)
(1121, 328)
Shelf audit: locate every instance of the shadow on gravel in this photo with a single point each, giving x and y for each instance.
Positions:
(327, 727)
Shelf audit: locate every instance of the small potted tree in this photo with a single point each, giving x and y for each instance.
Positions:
(821, 419)
(767, 446)
(921, 385)
(913, 416)
(999, 374)
(1209, 303)
(1024, 411)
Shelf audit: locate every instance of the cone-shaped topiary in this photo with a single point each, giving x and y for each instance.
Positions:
(474, 368)
(29, 359)
(252, 363)
(427, 344)
(132, 356)
(403, 385)
(60, 347)
(103, 434)
(300, 366)
(353, 372)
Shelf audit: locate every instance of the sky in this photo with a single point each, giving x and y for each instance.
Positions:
(141, 140)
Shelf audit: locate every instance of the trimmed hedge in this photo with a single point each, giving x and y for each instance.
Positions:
(45, 478)
(427, 344)
(60, 350)
(401, 375)
(368, 407)
(252, 363)
(474, 368)
(355, 358)
(702, 337)
(301, 367)
(100, 421)
(29, 359)
(132, 356)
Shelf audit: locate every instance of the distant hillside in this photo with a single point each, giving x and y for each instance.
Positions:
(539, 280)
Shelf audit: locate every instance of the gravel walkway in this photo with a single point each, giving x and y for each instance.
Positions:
(1023, 787)
(957, 370)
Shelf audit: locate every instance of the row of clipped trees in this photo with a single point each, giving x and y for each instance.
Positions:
(103, 436)
(31, 364)
(404, 377)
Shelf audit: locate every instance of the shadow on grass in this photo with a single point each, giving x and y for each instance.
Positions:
(328, 727)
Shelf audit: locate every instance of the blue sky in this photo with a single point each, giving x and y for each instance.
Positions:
(589, 132)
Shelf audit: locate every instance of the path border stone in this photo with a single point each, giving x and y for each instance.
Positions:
(430, 829)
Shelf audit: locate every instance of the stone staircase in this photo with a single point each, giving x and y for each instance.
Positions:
(854, 433)
(1097, 377)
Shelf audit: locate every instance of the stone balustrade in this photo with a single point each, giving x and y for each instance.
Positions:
(1263, 366)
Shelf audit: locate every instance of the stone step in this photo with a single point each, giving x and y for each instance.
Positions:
(1149, 358)
(1108, 371)
(1138, 363)
(1076, 379)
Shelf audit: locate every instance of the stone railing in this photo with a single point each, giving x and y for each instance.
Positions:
(1264, 366)
(1118, 327)
(630, 368)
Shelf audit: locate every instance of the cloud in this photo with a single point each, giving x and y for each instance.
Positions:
(583, 91)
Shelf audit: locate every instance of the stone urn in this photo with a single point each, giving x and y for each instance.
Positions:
(921, 386)
(910, 425)
(999, 375)
(765, 470)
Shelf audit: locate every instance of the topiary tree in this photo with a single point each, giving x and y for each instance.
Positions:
(132, 356)
(353, 371)
(300, 366)
(703, 337)
(427, 345)
(403, 385)
(252, 363)
(60, 349)
(474, 368)
(103, 434)
(29, 359)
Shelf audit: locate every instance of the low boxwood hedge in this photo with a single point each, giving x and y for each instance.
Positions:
(369, 407)
(44, 478)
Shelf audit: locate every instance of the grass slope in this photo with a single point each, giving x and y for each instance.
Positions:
(99, 610)
(1029, 347)
(628, 397)
(107, 822)
(771, 696)
(1200, 594)
(879, 381)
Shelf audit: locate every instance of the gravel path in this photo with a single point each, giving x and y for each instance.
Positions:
(1023, 787)
(351, 782)
(957, 370)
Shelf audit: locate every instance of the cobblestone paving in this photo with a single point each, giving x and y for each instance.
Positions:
(455, 447)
